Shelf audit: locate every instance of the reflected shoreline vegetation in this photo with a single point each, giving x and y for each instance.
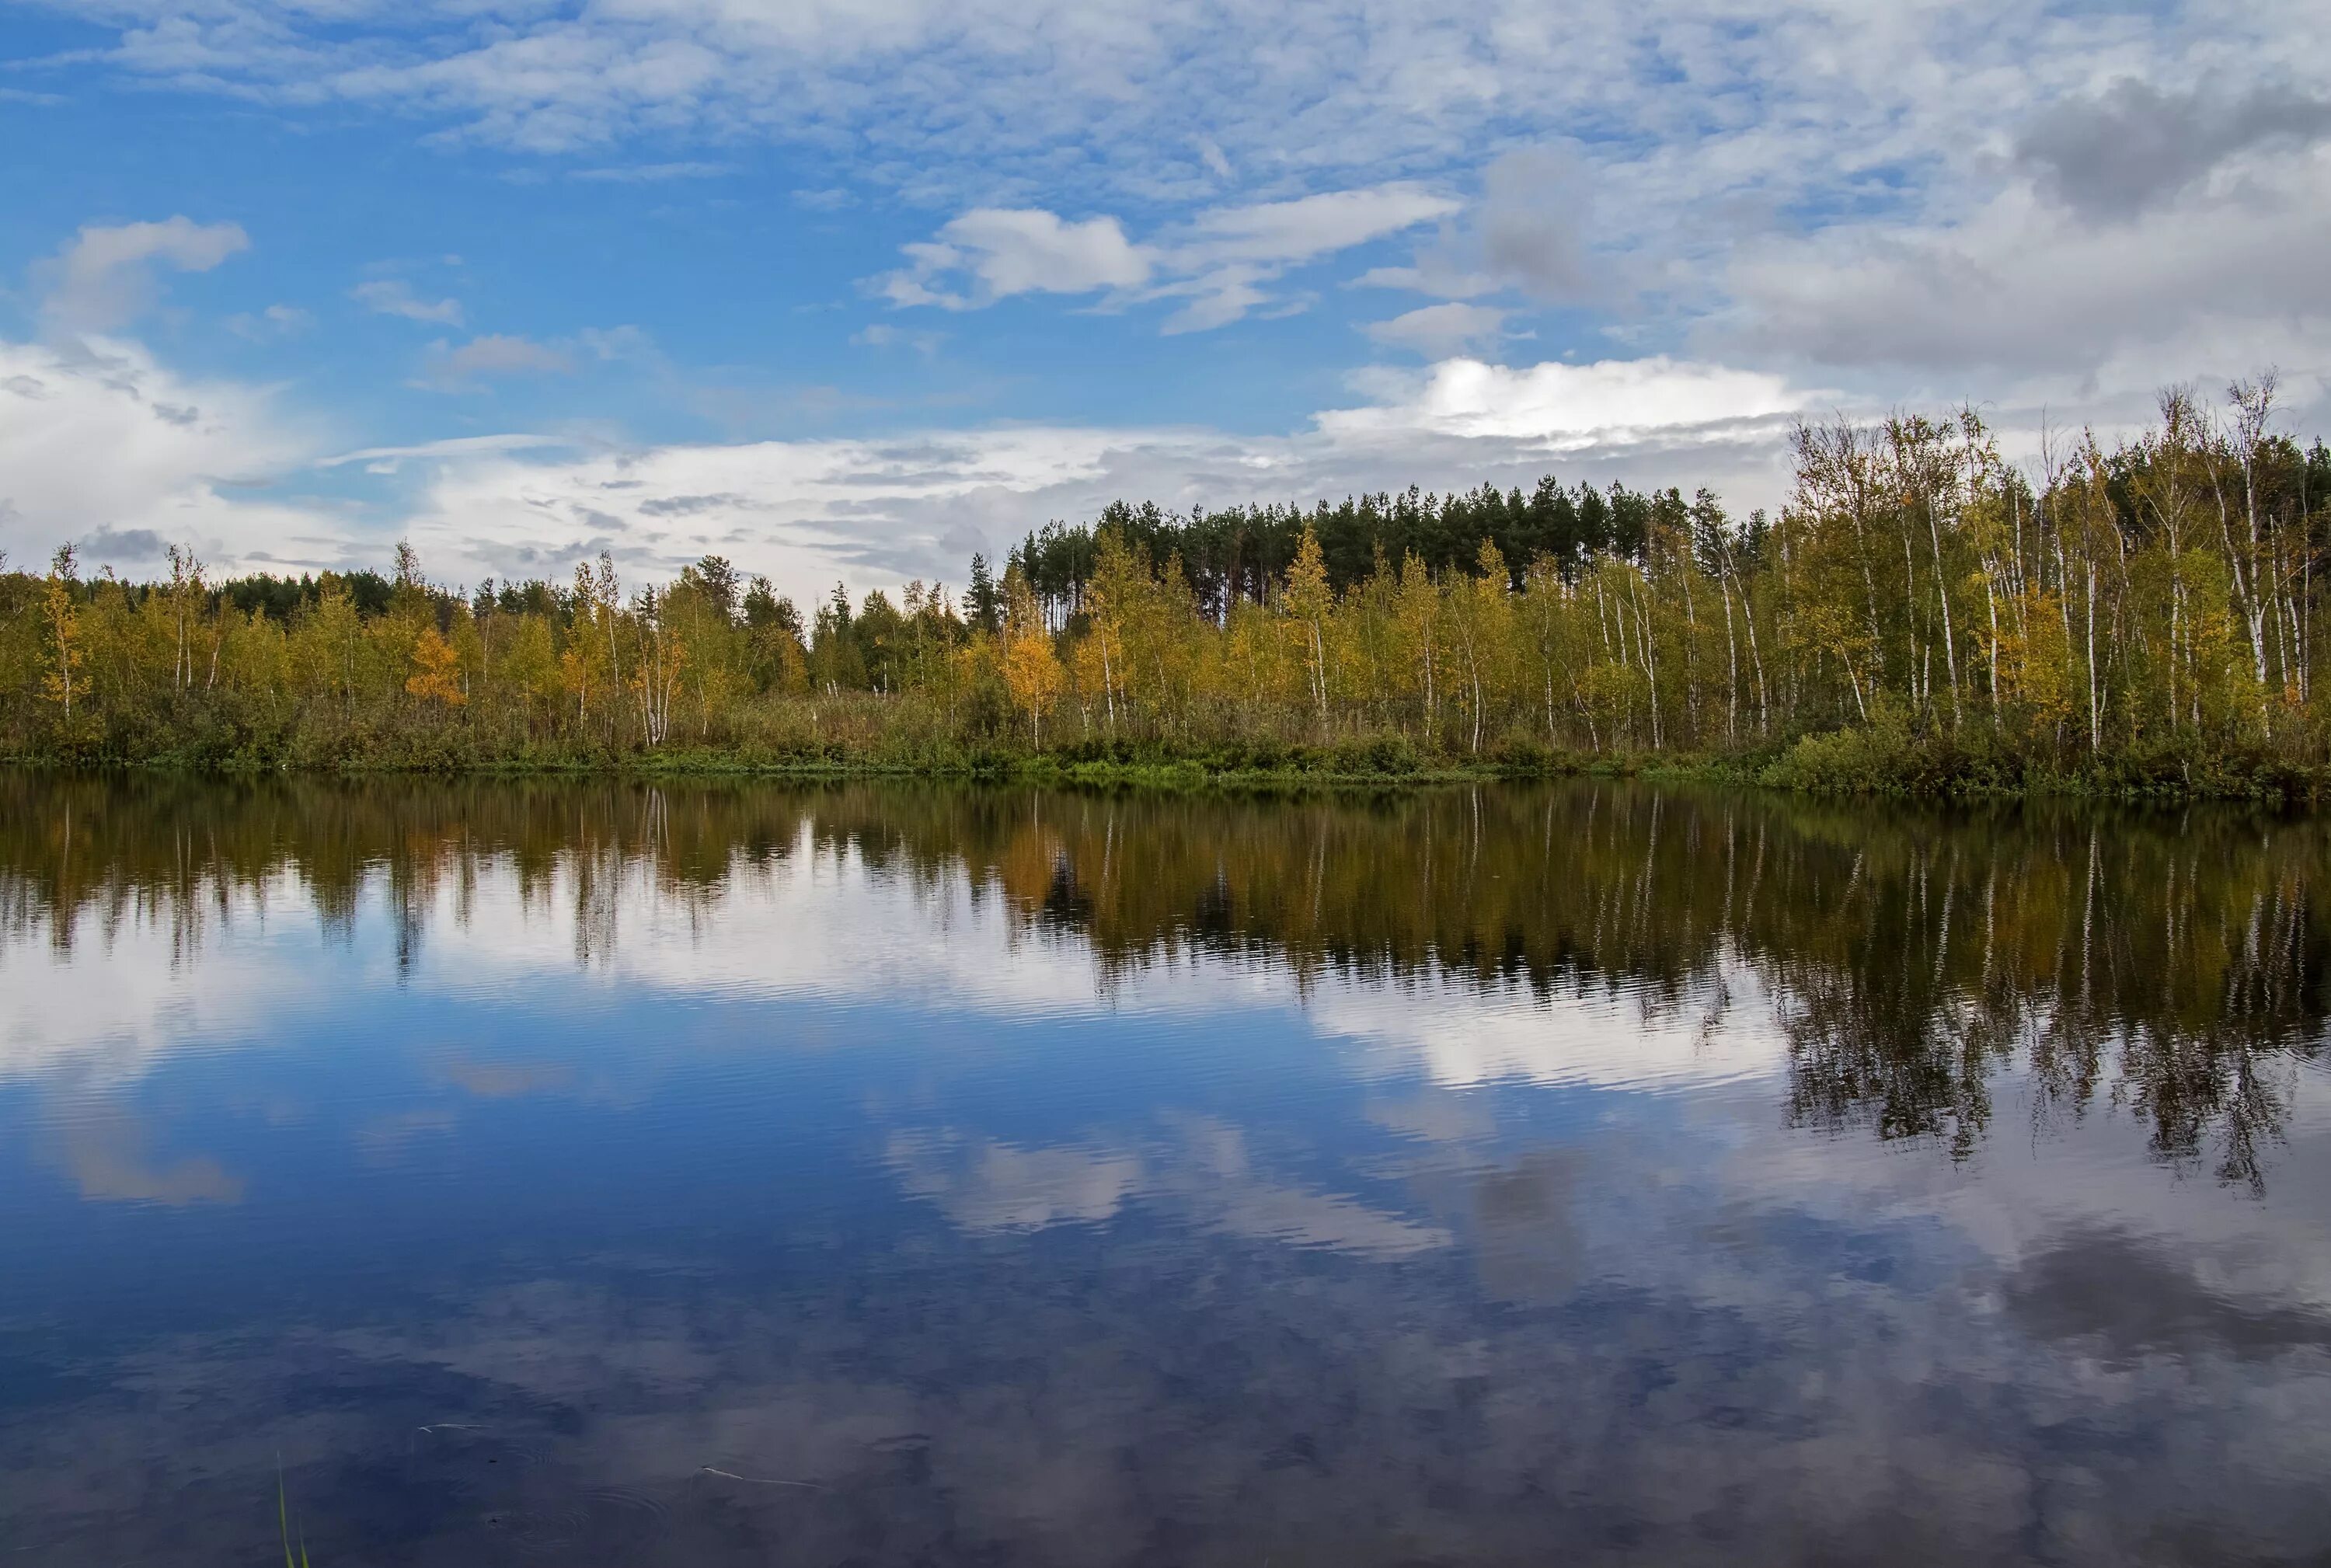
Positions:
(889, 1173)
(1922, 617)
(2174, 968)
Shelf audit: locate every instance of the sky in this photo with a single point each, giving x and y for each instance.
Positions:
(848, 291)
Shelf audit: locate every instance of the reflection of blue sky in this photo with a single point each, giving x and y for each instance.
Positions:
(1002, 1261)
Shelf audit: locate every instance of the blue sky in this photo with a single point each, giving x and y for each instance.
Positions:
(850, 290)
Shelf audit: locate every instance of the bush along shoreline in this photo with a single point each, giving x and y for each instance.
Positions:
(1876, 763)
(1923, 618)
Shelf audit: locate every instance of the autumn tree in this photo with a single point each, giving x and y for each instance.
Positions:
(1030, 668)
(436, 675)
(63, 681)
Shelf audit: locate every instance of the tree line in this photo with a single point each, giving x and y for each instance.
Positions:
(2153, 599)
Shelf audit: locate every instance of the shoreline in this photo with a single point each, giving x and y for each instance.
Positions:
(1845, 765)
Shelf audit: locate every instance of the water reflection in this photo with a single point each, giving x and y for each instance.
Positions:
(892, 1174)
(2173, 968)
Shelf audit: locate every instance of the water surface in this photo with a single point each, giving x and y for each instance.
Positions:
(910, 1176)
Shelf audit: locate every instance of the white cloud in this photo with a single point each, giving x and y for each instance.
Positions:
(112, 439)
(1620, 154)
(1441, 329)
(1219, 261)
(882, 510)
(1529, 231)
(992, 254)
(494, 354)
(1290, 231)
(2119, 151)
(395, 297)
(1217, 299)
(1568, 407)
(102, 277)
(113, 445)
(100, 442)
(2219, 280)
(452, 447)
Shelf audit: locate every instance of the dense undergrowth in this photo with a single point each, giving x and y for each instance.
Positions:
(867, 734)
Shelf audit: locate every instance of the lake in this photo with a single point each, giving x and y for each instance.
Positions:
(883, 1174)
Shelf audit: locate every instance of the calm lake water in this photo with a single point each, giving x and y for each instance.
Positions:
(879, 1175)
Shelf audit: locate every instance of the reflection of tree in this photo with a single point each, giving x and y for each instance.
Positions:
(2176, 969)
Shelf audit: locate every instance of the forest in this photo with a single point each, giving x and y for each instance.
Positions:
(1922, 615)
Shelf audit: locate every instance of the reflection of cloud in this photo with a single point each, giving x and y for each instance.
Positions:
(108, 1159)
(508, 1081)
(989, 1186)
(1730, 1334)
(554, 1340)
(125, 998)
(1462, 1036)
(1527, 1238)
(384, 1139)
(1215, 1181)
(1032, 1342)
(1820, 1389)
(2111, 1289)
(984, 1187)
(1267, 1212)
(798, 930)
(1435, 1117)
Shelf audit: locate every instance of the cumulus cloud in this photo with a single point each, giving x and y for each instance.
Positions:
(1219, 261)
(1559, 407)
(1662, 158)
(2113, 153)
(1528, 231)
(1537, 210)
(123, 547)
(103, 275)
(102, 443)
(2205, 283)
(109, 439)
(992, 254)
(107, 444)
(917, 505)
(395, 297)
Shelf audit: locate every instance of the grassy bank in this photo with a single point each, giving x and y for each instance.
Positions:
(861, 739)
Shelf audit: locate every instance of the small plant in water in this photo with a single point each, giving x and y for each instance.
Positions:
(283, 1520)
